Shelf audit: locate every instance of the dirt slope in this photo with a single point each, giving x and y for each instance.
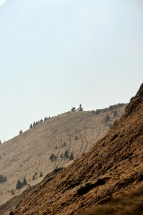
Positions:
(27, 155)
(114, 165)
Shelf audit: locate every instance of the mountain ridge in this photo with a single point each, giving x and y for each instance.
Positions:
(27, 156)
(112, 167)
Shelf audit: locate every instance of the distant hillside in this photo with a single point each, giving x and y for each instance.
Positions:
(51, 144)
(112, 167)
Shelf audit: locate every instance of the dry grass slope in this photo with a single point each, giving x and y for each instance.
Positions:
(113, 167)
(128, 204)
(27, 155)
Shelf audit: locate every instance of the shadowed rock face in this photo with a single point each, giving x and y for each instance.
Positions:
(140, 91)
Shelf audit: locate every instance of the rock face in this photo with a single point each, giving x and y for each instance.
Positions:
(113, 166)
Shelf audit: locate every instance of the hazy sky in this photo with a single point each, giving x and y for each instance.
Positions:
(56, 54)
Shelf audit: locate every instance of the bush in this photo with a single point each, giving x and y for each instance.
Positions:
(12, 192)
(24, 182)
(19, 185)
(115, 113)
(71, 157)
(64, 144)
(41, 174)
(66, 155)
(2, 179)
(20, 132)
(53, 157)
(107, 118)
(97, 111)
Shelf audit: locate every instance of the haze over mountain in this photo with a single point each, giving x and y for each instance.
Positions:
(57, 54)
(112, 167)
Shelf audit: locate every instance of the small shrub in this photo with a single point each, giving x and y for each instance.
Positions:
(53, 157)
(71, 157)
(24, 182)
(107, 118)
(97, 111)
(20, 132)
(41, 174)
(66, 155)
(19, 185)
(12, 192)
(2, 179)
(115, 113)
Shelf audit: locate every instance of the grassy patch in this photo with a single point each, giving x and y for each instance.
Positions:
(129, 204)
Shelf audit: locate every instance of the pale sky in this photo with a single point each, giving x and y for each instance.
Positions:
(56, 54)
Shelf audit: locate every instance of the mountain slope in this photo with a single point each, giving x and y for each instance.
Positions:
(28, 155)
(113, 166)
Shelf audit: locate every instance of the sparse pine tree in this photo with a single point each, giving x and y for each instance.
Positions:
(18, 185)
(12, 192)
(20, 132)
(53, 157)
(115, 113)
(2, 179)
(107, 118)
(71, 157)
(41, 174)
(66, 155)
(31, 126)
(24, 182)
(0, 141)
(80, 108)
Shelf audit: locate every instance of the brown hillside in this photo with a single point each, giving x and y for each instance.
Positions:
(27, 155)
(113, 166)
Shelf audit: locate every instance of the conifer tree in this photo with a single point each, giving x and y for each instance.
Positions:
(18, 185)
(24, 182)
(66, 155)
(71, 157)
(107, 118)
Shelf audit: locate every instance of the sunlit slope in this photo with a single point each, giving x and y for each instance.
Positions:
(112, 167)
(28, 154)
